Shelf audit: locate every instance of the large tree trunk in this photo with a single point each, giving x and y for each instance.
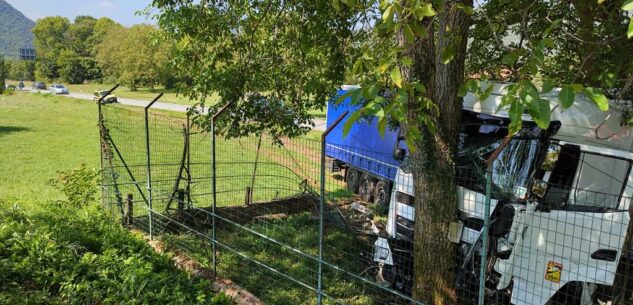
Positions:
(432, 159)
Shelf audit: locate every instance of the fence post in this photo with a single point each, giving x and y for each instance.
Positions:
(484, 233)
(321, 206)
(128, 218)
(214, 185)
(101, 126)
(149, 164)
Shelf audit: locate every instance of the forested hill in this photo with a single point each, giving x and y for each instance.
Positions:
(16, 31)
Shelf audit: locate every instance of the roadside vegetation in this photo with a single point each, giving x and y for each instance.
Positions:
(68, 252)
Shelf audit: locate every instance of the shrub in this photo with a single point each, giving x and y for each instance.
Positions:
(70, 252)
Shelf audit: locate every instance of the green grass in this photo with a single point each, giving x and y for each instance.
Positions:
(301, 232)
(41, 135)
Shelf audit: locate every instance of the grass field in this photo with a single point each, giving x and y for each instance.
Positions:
(40, 135)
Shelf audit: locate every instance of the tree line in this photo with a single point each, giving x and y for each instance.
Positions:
(89, 49)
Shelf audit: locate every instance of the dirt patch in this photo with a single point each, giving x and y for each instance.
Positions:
(240, 295)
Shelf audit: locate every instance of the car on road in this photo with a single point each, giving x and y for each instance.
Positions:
(39, 86)
(59, 89)
(104, 96)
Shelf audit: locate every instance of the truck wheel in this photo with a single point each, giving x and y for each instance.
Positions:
(366, 188)
(382, 193)
(352, 177)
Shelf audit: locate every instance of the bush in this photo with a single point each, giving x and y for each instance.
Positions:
(80, 186)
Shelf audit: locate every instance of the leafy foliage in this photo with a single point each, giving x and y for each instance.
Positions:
(289, 53)
(21, 70)
(135, 56)
(62, 253)
(79, 186)
(577, 42)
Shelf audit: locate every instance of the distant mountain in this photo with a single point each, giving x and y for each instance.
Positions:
(16, 31)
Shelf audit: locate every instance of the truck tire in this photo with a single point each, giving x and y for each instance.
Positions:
(382, 193)
(352, 178)
(366, 187)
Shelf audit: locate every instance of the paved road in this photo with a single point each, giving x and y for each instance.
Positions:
(320, 124)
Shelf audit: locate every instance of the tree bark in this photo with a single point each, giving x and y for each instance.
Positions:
(432, 159)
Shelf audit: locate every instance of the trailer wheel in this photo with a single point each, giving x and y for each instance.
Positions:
(352, 177)
(366, 188)
(382, 193)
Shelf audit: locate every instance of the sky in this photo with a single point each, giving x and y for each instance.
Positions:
(121, 11)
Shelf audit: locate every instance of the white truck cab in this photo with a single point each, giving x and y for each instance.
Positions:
(559, 205)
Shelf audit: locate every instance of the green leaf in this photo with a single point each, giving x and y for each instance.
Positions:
(350, 122)
(466, 8)
(510, 58)
(384, 66)
(540, 111)
(407, 61)
(408, 33)
(336, 4)
(597, 97)
(356, 95)
(387, 15)
(397, 114)
(515, 113)
(548, 85)
(448, 54)
(396, 77)
(426, 10)
(577, 88)
(566, 96)
(418, 29)
(629, 33)
(342, 97)
(372, 91)
(530, 89)
(374, 109)
(628, 5)
(506, 100)
(486, 93)
(382, 126)
(462, 90)
(419, 87)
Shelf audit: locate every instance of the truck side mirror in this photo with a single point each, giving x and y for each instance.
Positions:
(399, 153)
(539, 187)
(553, 152)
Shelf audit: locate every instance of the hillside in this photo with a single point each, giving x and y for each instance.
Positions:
(16, 31)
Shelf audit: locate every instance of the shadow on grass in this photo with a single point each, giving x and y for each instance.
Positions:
(5, 130)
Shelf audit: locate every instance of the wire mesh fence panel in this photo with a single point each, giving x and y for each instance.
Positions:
(540, 222)
(266, 217)
(123, 157)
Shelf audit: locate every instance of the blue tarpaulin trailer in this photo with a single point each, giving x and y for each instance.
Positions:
(366, 156)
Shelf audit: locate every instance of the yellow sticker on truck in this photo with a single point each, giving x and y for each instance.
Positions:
(553, 272)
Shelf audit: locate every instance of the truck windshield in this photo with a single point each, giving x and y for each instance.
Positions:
(479, 138)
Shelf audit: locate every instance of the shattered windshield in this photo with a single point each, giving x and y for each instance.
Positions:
(479, 138)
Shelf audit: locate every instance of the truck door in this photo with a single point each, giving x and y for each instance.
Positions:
(577, 231)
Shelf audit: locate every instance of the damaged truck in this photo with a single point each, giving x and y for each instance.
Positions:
(559, 205)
